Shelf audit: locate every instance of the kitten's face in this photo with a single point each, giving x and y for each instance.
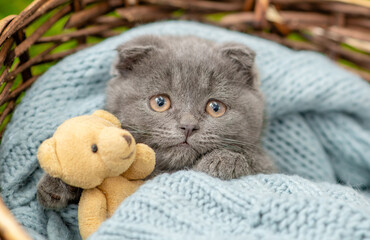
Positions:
(186, 75)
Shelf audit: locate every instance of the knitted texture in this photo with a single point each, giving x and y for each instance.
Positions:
(319, 128)
(189, 205)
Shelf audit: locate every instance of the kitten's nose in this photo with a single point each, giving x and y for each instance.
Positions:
(188, 129)
(189, 124)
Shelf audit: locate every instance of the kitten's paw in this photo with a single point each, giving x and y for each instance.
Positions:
(224, 164)
(53, 193)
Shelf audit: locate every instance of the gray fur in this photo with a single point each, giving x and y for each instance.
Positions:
(190, 71)
(53, 193)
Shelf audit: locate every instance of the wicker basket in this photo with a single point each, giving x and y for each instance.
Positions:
(48, 30)
(9, 228)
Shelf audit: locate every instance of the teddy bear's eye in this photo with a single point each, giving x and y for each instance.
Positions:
(94, 148)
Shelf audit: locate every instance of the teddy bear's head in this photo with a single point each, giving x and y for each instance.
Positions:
(87, 149)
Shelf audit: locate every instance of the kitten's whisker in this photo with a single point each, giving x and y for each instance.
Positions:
(238, 142)
(146, 132)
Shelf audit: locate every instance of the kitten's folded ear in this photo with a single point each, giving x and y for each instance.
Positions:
(134, 51)
(243, 59)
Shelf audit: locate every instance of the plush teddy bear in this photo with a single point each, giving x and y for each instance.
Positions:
(94, 153)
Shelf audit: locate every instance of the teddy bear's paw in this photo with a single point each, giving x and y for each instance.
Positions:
(53, 193)
(223, 164)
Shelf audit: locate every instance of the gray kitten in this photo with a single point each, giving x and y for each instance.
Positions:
(195, 102)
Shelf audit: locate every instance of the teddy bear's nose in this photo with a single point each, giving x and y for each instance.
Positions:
(128, 139)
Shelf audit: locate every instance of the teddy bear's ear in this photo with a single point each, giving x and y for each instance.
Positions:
(107, 116)
(48, 158)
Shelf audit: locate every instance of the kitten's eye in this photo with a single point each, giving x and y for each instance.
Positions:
(160, 103)
(215, 108)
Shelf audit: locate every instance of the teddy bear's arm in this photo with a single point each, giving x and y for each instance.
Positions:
(53, 193)
(116, 190)
(143, 165)
(92, 211)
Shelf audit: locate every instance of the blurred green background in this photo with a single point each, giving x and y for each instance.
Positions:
(8, 7)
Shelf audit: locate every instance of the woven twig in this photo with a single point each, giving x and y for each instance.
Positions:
(325, 25)
(9, 228)
(334, 27)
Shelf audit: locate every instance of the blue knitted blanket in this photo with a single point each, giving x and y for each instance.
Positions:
(318, 133)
